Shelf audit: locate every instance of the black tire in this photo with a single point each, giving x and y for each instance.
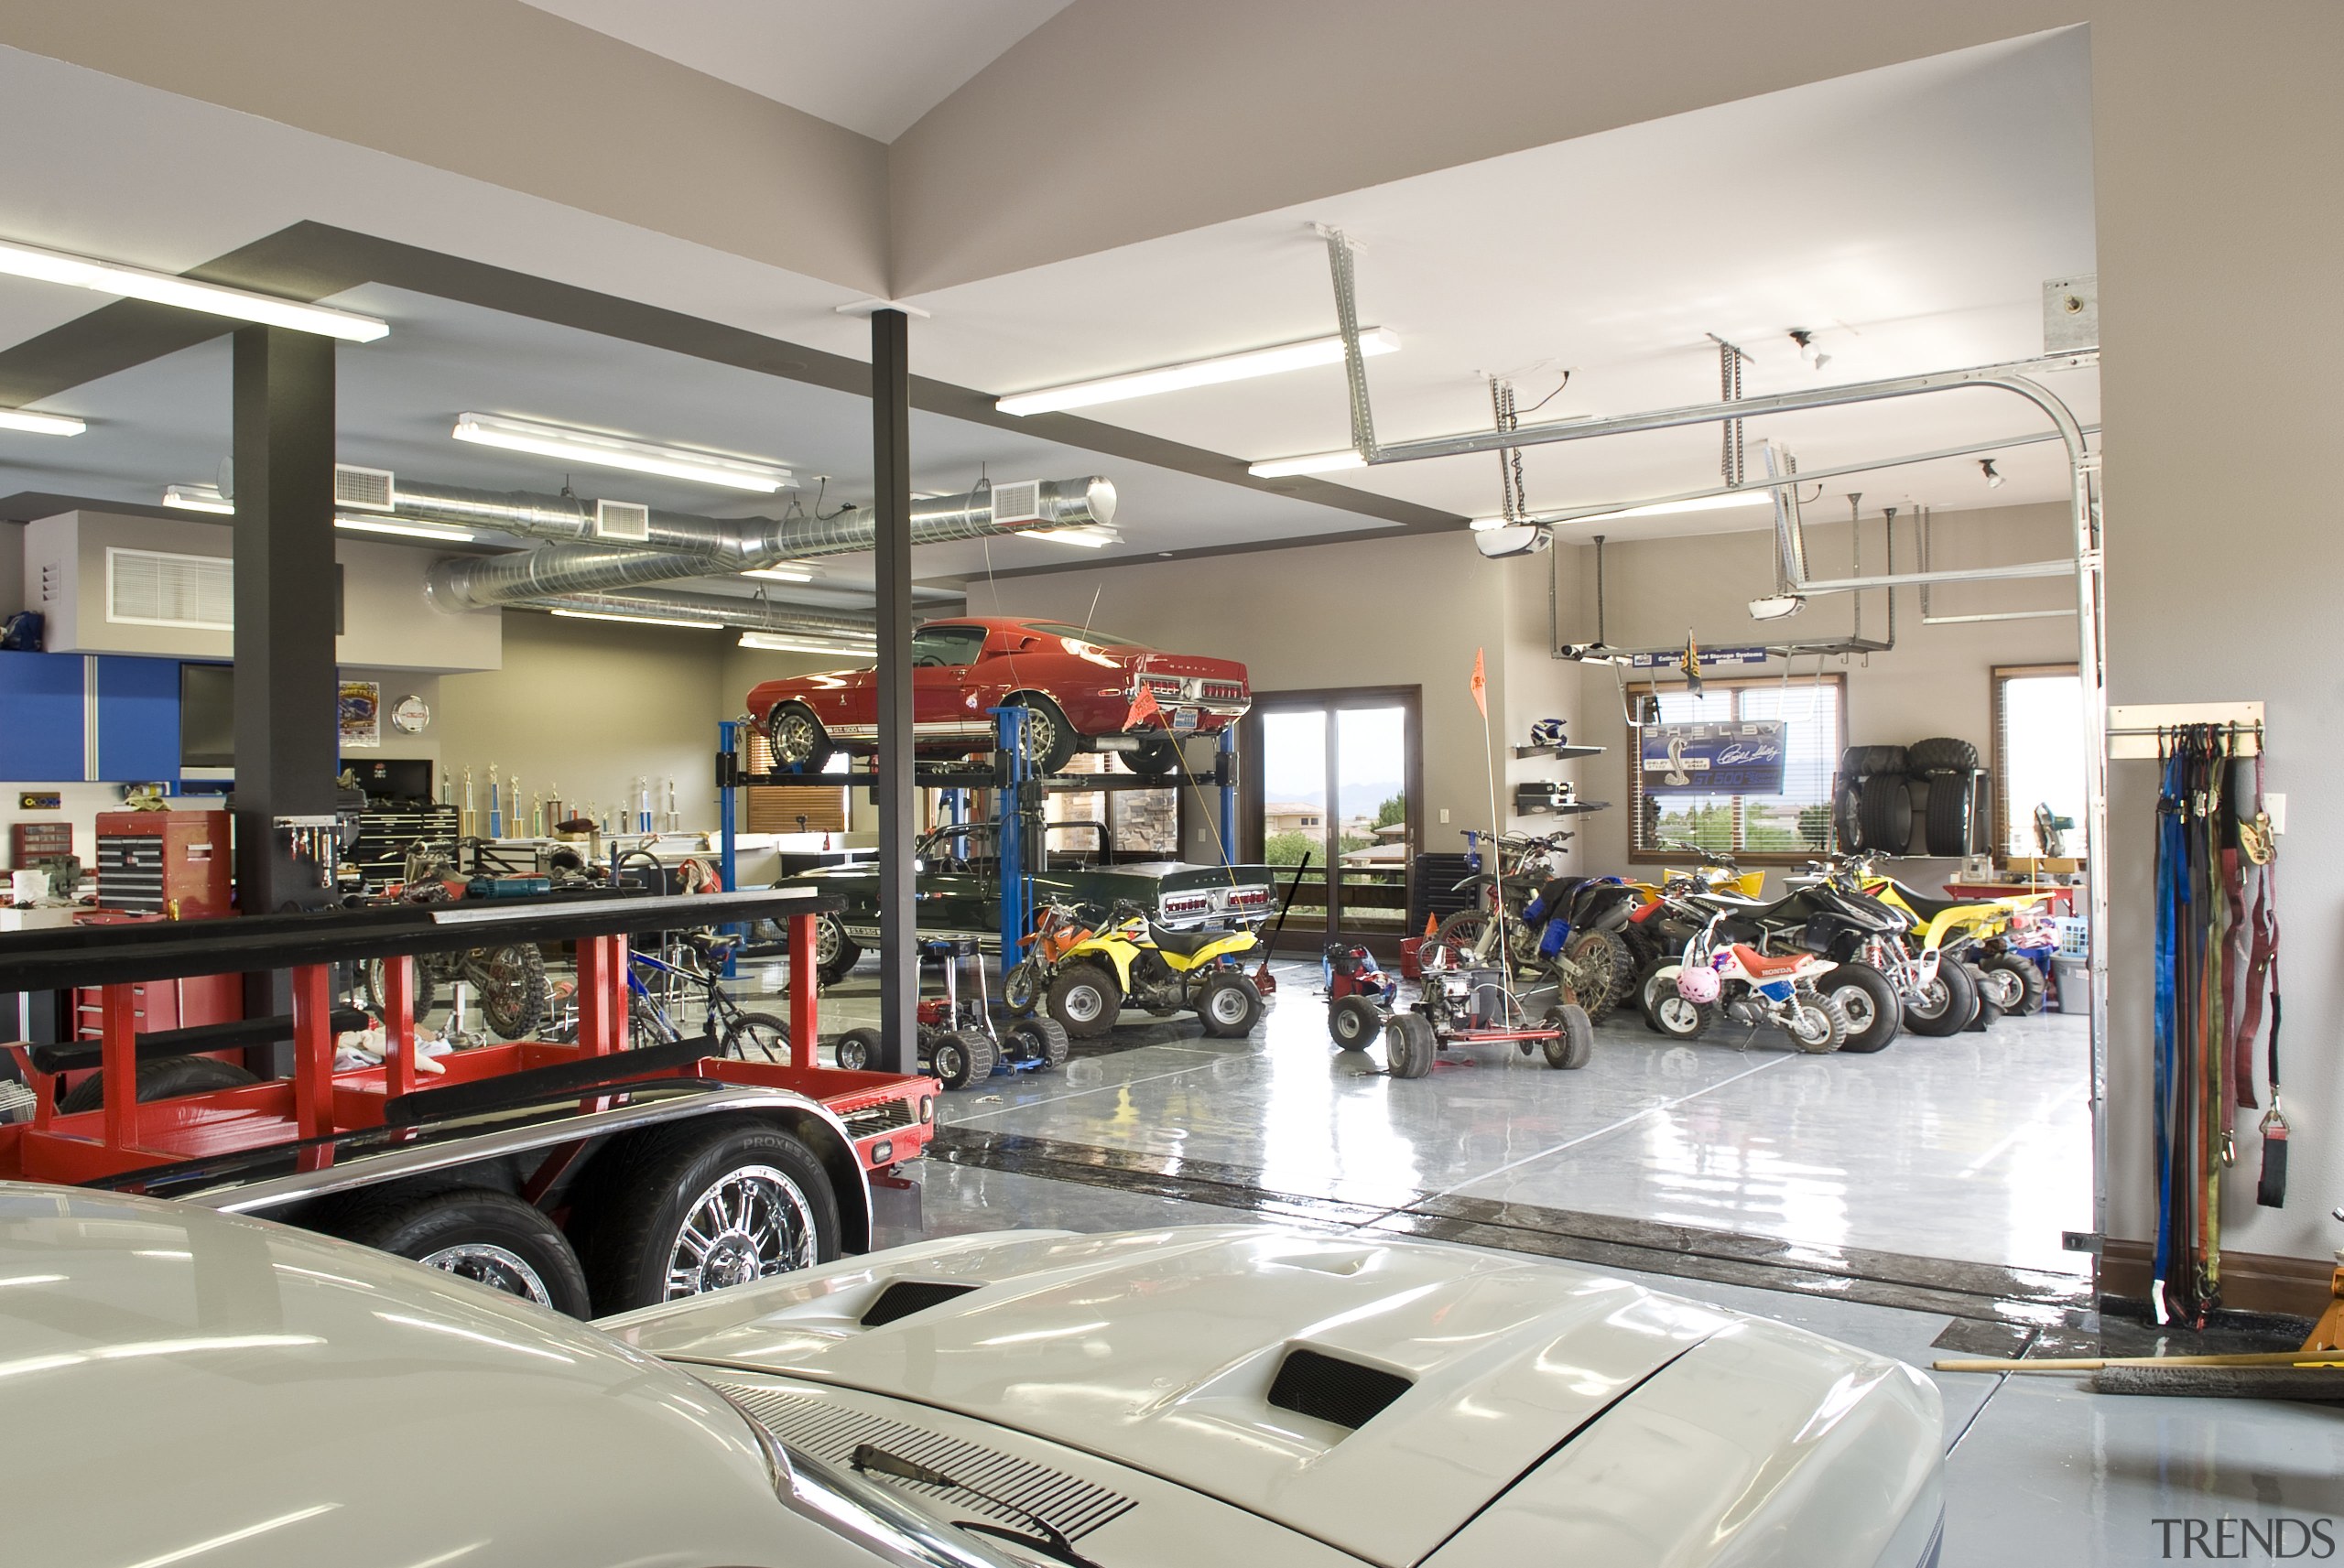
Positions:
(1570, 1049)
(1988, 1010)
(1085, 999)
(1050, 740)
(959, 1059)
(1646, 990)
(856, 1049)
(797, 740)
(1941, 754)
(165, 1079)
(1884, 813)
(834, 951)
(1818, 1027)
(1671, 1015)
(1021, 988)
(493, 1238)
(1155, 758)
(1868, 1000)
(513, 990)
(759, 1036)
(1228, 1005)
(1409, 1045)
(1947, 814)
(425, 988)
(2030, 981)
(1858, 762)
(1040, 1038)
(1847, 811)
(642, 1191)
(1354, 1022)
(1588, 950)
(1952, 1003)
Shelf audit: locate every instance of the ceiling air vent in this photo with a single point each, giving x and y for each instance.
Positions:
(905, 1297)
(1344, 1392)
(622, 520)
(362, 490)
(151, 588)
(1018, 501)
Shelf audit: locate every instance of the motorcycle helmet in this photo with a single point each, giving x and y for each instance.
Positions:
(1698, 984)
(1546, 733)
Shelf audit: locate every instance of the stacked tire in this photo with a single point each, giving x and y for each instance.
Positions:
(1947, 770)
(1871, 800)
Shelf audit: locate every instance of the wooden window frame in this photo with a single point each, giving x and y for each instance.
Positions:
(1639, 856)
(1998, 679)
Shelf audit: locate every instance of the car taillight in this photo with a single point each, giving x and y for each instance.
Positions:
(1249, 898)
(1223, 691)
(1188, 904)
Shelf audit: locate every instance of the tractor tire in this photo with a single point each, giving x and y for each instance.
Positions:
(165, 1079)
(1867, 1000)
(1409, 1045)
(1085, 999)
(1818, 1027)
(1947, 814)
(493, 1238)
(1354, 1022)
(856, 1049)
(671, 1212)
(1884, 813)
(1570, 1049)
(1950, 1003)
(513, 991)
(797, 740)
(958, 1060)
(2031, 988)
(1042, 1039)
(1229, 1006)
(1941, 754)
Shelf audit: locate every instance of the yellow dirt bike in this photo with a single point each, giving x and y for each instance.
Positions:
(1132, 960)
(1972, 933)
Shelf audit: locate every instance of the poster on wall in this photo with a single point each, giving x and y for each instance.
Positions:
(1740, 756)
(360, 711)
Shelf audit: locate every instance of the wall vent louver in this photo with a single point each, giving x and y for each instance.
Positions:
(364, 490)
(1017, 501)
(622, 520)
(153, 588)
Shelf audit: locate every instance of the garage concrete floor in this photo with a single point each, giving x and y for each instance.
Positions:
(1910, 1202)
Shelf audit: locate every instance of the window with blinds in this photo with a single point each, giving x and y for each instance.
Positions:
(155, 588)
(1792, 826)
(790, 808)
(2038, 754)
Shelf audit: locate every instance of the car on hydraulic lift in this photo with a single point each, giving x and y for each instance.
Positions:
(957, 870)
(1082, 690)
(186, 1384)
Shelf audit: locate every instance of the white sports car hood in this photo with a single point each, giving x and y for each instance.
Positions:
(1176, 1352)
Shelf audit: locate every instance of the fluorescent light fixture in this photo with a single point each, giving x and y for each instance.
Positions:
(641, 620)
(598, 450)
(1658, 509)
(1775, 606)
(407, 530)
(163, 289)
(1314, 462)
(780, 642)
(1087, 536)
(41, 424)
(1244, 366)
(785, 571)
(197, 498)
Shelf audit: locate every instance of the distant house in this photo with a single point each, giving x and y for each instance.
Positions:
(1293, 816)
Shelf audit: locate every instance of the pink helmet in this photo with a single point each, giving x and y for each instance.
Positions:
(1697, 983)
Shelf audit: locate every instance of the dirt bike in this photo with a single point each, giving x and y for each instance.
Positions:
(1717, 977)
(1056, 929)
(1134, 959)
(1525, 864)
(510, 981)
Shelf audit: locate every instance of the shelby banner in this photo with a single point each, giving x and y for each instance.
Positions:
(1740, 756)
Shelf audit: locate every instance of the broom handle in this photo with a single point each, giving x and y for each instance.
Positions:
(2096, 1363)
(1291, 889)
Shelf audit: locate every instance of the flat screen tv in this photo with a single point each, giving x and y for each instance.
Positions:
(207, 716)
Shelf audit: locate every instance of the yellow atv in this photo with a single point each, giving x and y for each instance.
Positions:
(1968, 933)
(1134, 960)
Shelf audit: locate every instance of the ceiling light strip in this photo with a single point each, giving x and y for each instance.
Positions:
(186, 292)
(640, 620)
(41, 424)
(1242, 366)
(596, 449)
(197, 498)
(1313, 462)
(406, 530)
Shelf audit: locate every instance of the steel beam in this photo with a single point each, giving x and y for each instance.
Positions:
(892, 793)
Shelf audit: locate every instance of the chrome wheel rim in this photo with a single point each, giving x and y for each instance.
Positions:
(749, 1224)
(792, 739)
(498, 1267)
(828, 934)
(854, 1056)
(949, 1062)
(1041, 732)
(1228, 1005)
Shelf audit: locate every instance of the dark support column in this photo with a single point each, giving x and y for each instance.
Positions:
(891, 421)
(286, 744)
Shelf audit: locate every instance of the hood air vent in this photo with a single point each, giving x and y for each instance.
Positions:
(905, 1297)
(1344, 1392)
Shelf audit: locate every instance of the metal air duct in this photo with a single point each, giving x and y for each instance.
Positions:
(743, 614)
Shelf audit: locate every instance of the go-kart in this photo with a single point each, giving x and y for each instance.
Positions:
(958, 1043)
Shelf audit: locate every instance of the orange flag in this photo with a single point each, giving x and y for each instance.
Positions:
(1481, 685)
(1143, 707)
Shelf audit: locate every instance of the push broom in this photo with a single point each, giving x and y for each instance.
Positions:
(1263, 982)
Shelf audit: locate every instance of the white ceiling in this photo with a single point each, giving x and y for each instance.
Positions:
(873, 66)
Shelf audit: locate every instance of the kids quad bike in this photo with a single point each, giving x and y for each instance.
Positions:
(958, 1043)
(1463, 1006)
(1132, 960)
(1359, 995)
(1720, 978)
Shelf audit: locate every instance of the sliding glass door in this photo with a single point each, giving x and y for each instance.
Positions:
(1332, 786)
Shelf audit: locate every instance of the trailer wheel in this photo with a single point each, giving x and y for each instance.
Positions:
(855, 1048)
(1409, 1045)
(959, 1060)
(684, 1210)
(489, 1237)
(1354, 1021)
(165, 1079)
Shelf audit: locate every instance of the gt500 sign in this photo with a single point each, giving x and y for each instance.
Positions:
(1742, 756)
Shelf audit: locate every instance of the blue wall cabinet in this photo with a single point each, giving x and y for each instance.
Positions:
(138, 719)
(41, 718)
